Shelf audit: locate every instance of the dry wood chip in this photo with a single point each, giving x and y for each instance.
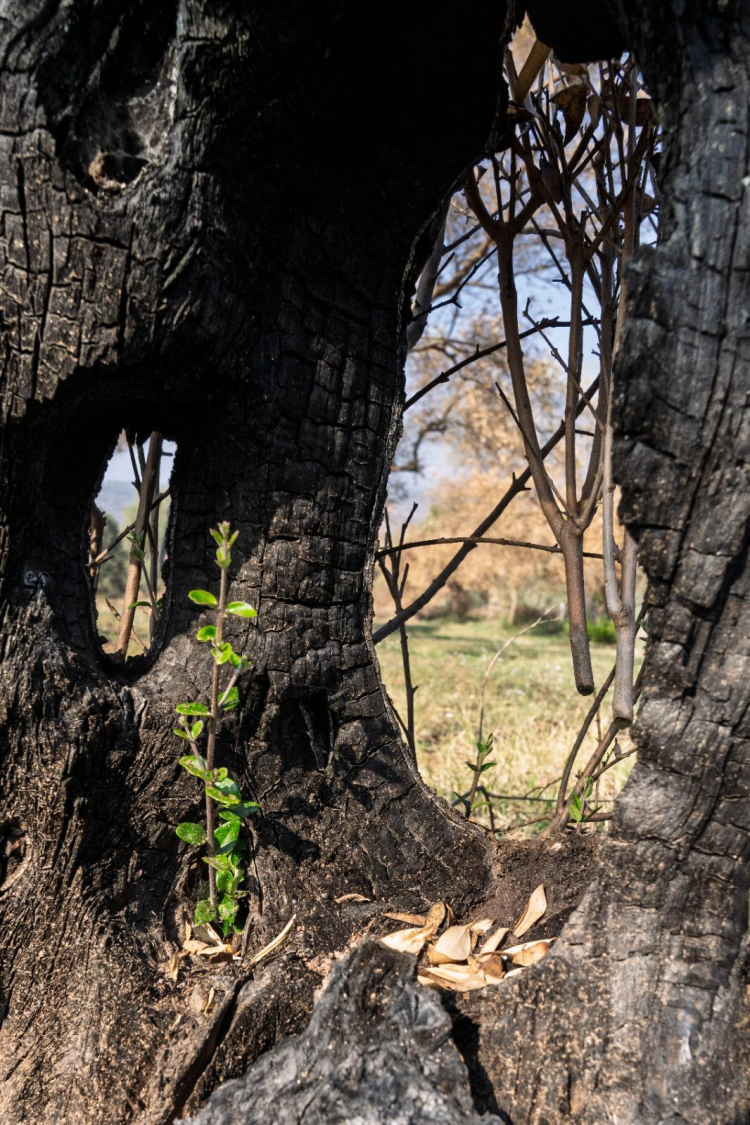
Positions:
(351, 898)
(535, 908)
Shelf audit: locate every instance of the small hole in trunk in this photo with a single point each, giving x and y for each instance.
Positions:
(126, 548)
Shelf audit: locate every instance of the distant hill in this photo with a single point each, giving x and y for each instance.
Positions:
(115, 497)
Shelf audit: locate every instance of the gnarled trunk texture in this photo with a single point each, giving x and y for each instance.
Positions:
(211, 226)
(211, 220)
(641, 1013)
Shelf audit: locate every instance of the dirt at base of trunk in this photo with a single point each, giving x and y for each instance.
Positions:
(564, 867)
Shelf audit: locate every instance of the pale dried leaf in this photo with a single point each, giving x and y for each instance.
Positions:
(481, 927)
(198, 947)
(460, 978)
(535, 908)
(407, 941)
(494, 940)
(351, 898)
(513, 973)
(435, 916)
(451, 915)
(430, 982)
(491, 964)
(453, 945)
(412, 919)
(226, 953)
(207, 933)
(173, 968)
(513, 949)
(264, 952)
(534, 951)
(209, 1001)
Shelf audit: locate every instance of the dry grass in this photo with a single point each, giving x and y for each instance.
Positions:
(530, 704)
(107, 626)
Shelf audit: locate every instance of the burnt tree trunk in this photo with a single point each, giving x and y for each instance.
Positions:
(211, 219)
(641, 1013)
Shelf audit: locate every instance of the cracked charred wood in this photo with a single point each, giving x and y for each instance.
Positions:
(641, 1012)
(378, 1048)
(213, 218)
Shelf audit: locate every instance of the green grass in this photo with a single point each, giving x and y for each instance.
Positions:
(531, 705)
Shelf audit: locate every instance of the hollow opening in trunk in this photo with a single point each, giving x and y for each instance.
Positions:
(126, 547)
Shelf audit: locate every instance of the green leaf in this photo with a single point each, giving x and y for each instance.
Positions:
(233, 538)
(220, 862)
(202, 597)
(225, 881)
(472, 766)
(204, 912)
(229, 814)
(192, 709)
(221, 653)
(225, 792)
(487, 766)
(196, 729)
(227, 908)
(241, 609)
(576, 810)
(134, 605)
(224, 559)
(228, 832)
(229, 699)
(206, 633)
(195, 765)
(247, 808)
(194, 834)
(181, 733)
(217, 536)
(219, 774)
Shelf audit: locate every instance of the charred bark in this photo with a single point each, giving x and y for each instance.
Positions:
(641, 1012)
(212, 222)
(378, 1048)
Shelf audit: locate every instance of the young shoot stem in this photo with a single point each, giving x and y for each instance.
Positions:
(213, 723)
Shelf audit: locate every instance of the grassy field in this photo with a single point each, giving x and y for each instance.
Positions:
(531, 705)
